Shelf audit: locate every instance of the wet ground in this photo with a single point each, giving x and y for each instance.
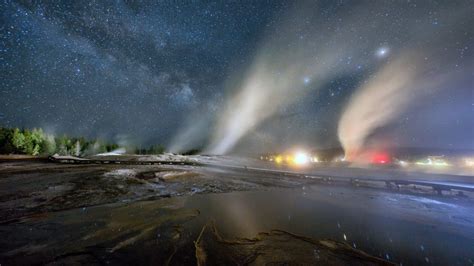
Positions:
(176, 214)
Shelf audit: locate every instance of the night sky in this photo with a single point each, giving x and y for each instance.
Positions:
(166, 72)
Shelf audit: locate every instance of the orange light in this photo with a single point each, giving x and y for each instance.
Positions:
(279, 159)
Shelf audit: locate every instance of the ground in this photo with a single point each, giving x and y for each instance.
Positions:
(210, 211)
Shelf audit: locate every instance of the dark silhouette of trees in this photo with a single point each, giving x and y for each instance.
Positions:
(37, 142)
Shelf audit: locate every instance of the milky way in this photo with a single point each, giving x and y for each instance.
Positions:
(167, 72)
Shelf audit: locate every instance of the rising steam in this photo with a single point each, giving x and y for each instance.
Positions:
(305, 51)
(403, 82)
(400, 85)
(293, 61)
(378, 103)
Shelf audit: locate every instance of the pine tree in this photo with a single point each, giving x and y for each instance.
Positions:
(6, 141)
(48, 146)
(18, 141)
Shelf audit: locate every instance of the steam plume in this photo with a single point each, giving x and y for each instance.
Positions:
(377, 103)
(394, 90)
(284, 70)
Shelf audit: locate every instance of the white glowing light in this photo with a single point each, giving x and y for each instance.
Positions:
(433, 162)
(403, 163)
(301, 158)
(382, 52)
(469, 162)
(306, 80)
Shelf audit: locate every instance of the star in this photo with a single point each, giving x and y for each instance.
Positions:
(103, 66)
(382, 52)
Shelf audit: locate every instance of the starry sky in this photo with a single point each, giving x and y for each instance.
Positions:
(166, 72)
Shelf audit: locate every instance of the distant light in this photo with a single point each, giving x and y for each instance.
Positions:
(279, 159)
(469, 162)
(380, 158)
(433, 161)
(306, 80)
(382, 52)
(301, 158)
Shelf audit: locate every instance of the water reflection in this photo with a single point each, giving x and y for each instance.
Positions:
(406, 229)
(387, 225)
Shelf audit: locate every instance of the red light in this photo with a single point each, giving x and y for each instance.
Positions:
(380, 158)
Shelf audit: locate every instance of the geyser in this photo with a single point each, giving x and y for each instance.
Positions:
(377, 103)
(294, 60)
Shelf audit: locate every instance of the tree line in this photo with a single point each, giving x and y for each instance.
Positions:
(37, 142)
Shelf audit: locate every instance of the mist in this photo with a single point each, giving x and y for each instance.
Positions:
(410, 82)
